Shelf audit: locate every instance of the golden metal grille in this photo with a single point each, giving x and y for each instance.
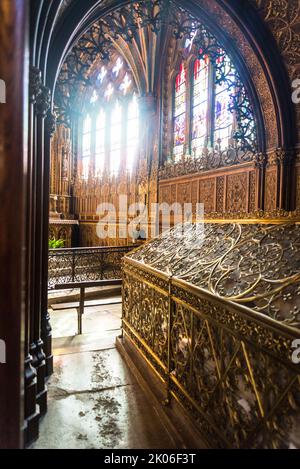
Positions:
(229, 365)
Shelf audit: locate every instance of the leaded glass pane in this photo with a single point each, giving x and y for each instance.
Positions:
(179, 130)
(224, 90)
(132, 133)
(86, 146)
(115, 139)
(200, 105)
(180, 93)
(87, 125)
(100, 143)
(85, 167)
(180, 113)
(223, 120)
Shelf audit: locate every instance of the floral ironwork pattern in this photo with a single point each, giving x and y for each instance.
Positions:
(230, 368)
(253, 265)
(85, 264)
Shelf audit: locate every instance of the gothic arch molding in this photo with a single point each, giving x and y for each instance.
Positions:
(243, 29)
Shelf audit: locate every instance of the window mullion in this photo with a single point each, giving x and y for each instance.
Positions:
(211, 104)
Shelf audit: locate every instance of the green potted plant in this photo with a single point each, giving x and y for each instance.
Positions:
(56, 243)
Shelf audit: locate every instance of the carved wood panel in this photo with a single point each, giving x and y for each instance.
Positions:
(237, 193)
(252, 192)
(225, 191)
(271, 187)
(184, 194)
(207, 194)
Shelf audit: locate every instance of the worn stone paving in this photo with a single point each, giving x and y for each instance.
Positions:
(95, 402)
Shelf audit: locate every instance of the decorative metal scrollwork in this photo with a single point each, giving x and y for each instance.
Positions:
(254, 265)
(230, 367)
(86, 264)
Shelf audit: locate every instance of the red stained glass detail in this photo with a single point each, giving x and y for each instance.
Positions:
(180, 79)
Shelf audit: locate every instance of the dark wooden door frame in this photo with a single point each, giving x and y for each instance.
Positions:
(13, 171)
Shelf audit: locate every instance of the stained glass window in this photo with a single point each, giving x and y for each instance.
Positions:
(115, 138)
(110, 133)
(180, 113)
(132, 132)
(109, 91)
(86, 146)
(94, 97)
(190, 39)
(125, 85)
(224, 118)
(102, 74)
(100, 143)
(118, 66)
(214, 107)
(200, 106)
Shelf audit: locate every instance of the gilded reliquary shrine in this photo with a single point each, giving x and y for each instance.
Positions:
(214, 311)
(150, 214)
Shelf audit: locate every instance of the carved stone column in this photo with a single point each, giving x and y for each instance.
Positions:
(41, 107)
(260, 165)
(285, 159)
(271, 183)
(148, 160)
(46, 330)
(279, 180)
(31, 409)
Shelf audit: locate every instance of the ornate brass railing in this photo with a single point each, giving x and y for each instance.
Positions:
(228, 364)
(85, 264)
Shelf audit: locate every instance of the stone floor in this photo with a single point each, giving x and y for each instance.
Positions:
(94, 401)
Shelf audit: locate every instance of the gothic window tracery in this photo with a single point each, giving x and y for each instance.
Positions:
(209, 114)
(208, 89)
(109, 136)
